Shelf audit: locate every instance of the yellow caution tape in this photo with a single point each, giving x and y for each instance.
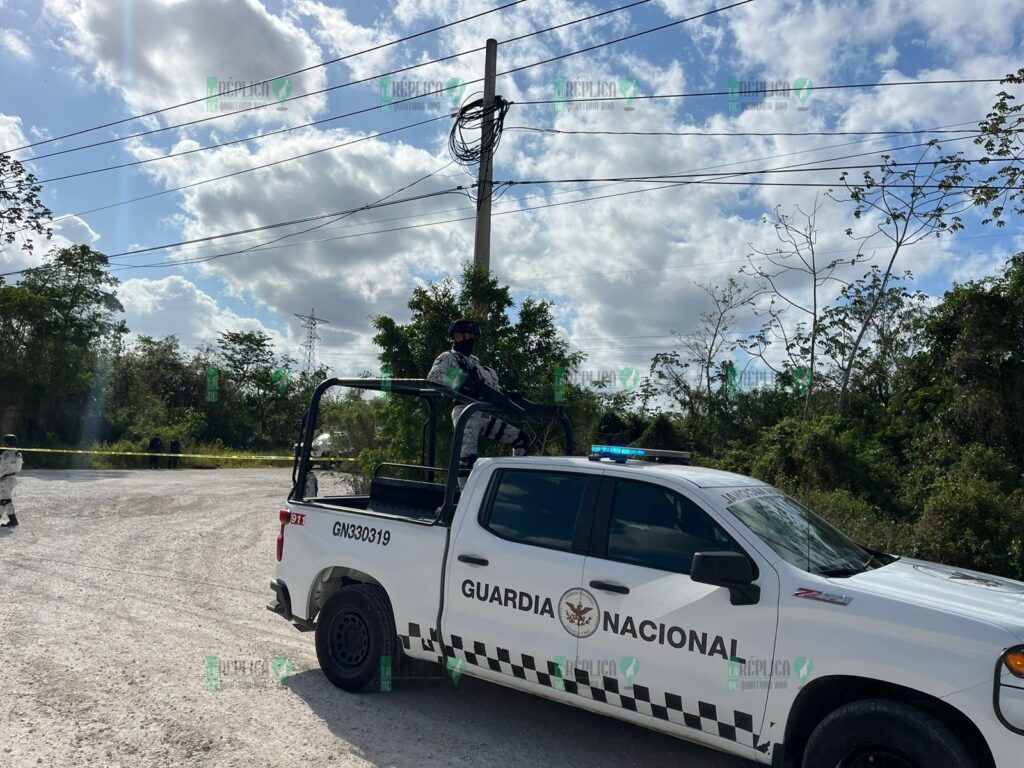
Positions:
(166, 455)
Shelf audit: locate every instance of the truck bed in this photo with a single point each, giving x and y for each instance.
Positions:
(412, 499)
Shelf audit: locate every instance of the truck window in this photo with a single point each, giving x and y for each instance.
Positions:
(801, 538)
(659, 528)
(536, 507)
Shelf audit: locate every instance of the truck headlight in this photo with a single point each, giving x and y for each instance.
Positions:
(1015, 662)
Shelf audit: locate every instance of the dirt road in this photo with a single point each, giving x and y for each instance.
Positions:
(120, 585)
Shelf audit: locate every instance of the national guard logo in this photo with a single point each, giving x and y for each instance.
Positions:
(578, 612)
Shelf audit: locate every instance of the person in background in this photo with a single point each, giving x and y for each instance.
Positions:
(156, 445)
(172, 462)
(10, 465)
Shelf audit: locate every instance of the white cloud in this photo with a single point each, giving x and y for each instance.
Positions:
(174, 305)
(619, 268)
(159, 52)
(14, 43)
(342, 37)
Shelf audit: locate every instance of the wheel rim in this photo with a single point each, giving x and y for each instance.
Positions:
(349, 640)
(877, 756)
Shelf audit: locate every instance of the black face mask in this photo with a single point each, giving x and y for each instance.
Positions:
(465, 346)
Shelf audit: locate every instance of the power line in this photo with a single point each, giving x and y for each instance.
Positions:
(535, 102)
(254, 168)
(547, 279)
(939, 129)
(262, 246)
(716, 179)
(402, 101)
(762, 91)
(738, 133)
(329, 89)
(172, 262)
(270, 79)
(276, 225)
(881, 134)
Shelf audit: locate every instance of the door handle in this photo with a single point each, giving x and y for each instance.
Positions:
(472, 560)
(609, 587)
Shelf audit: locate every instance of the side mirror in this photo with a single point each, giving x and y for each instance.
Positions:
(731, 570)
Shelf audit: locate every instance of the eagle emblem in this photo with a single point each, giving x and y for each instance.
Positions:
(578, 612)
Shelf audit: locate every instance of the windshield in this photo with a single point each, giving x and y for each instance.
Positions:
(802, 538)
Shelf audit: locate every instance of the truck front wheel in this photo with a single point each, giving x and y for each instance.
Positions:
(355, 637)
(876, 733)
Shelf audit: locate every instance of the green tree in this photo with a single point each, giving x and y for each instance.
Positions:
(21, 207)
(1001, 139)
(902, 204)
(526, 352)
(891, 318)
(58, 323)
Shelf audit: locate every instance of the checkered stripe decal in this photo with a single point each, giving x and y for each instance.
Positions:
(675, 708)
(430, 644)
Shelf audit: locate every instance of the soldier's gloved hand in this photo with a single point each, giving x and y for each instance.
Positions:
(514, 394)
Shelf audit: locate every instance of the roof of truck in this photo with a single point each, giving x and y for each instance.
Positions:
(702, 477)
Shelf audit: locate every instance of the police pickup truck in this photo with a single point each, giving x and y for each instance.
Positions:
(703, 604)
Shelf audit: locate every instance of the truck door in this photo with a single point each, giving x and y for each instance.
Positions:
(686, 657)
(509, 566)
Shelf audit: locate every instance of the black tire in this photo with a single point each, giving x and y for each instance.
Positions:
(354, 632)
(876, 733)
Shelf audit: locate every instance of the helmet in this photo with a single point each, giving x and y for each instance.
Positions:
(10, 441)
(464, 325)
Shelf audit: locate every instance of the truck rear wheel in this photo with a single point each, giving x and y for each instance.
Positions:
(355, 632)
(877, 733)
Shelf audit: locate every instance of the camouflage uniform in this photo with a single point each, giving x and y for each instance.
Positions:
(10, 465)
(460, 372)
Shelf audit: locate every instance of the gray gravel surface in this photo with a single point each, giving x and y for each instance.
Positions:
(119, 585)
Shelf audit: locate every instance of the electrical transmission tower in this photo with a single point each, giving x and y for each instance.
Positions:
(310, 322)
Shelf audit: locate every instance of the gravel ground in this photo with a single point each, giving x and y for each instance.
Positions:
(119, 585)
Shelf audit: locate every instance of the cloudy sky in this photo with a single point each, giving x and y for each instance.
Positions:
(622, 270)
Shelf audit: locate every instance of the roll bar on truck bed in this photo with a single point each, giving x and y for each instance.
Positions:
(494, 401)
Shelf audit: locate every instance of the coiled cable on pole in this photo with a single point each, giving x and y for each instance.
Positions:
(469, 119)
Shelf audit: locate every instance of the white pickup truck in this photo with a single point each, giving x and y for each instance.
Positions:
(703, 604)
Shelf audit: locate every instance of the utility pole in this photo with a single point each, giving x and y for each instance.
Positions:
(310, 322)
(482, 246)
